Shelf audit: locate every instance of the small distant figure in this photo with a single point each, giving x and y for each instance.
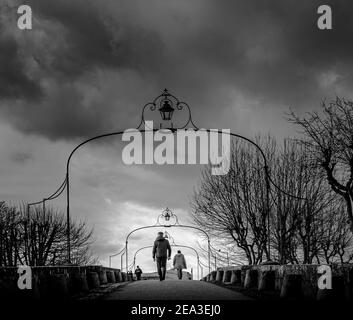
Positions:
(138, 272)
(179, 263)
(130, 275)
(161, 251)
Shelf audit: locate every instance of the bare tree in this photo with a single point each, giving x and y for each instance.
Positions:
(328, 138)
(38, 238)
(233, 208)
(296, 218)
(9, 236)
(335, 244)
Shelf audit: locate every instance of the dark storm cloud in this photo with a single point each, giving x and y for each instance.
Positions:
(273, 50)
(14, 82)
(93, 39)
(71, 42)
(95, 63)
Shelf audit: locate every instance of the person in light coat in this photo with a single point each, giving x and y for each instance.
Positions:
(179, 263)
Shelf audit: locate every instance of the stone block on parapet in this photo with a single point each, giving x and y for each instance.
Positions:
(78, 283)
(54, 287)
(236, 277)
(93, 280)
(292, 286)
(244, 270)
(227, 276)
(266, 280)
(102, 276)
(117, 275)
(219, 275)
(110, 276)
(251, 279)
(213, 276)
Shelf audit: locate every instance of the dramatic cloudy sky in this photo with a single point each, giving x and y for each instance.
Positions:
(87, 67)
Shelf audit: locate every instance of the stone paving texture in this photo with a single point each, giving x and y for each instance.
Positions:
(173, 290)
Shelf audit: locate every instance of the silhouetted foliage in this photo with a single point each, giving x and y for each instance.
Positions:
(328, 141)
(233, 207)
(38, 238)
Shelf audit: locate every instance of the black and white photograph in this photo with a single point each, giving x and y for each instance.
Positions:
(176, 159)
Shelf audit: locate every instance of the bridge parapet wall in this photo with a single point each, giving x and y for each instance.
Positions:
(57, 282)
(289, 281)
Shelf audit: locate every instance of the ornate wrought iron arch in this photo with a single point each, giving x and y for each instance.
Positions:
(167, 214)
(173, 245)
(166, 104)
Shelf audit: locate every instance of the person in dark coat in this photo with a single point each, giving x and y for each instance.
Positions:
(161, 252)
(179, 263)
(138, 272)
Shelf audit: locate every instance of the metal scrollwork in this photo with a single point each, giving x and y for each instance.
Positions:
(169, 217)
(168, 103)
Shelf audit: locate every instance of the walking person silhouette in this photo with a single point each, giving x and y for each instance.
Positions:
(179, 263)
(138, 273)
(161, 252)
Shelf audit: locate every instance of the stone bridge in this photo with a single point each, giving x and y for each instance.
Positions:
(285, 281)
(59, 282)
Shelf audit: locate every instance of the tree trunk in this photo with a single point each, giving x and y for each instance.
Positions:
(348, 200)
